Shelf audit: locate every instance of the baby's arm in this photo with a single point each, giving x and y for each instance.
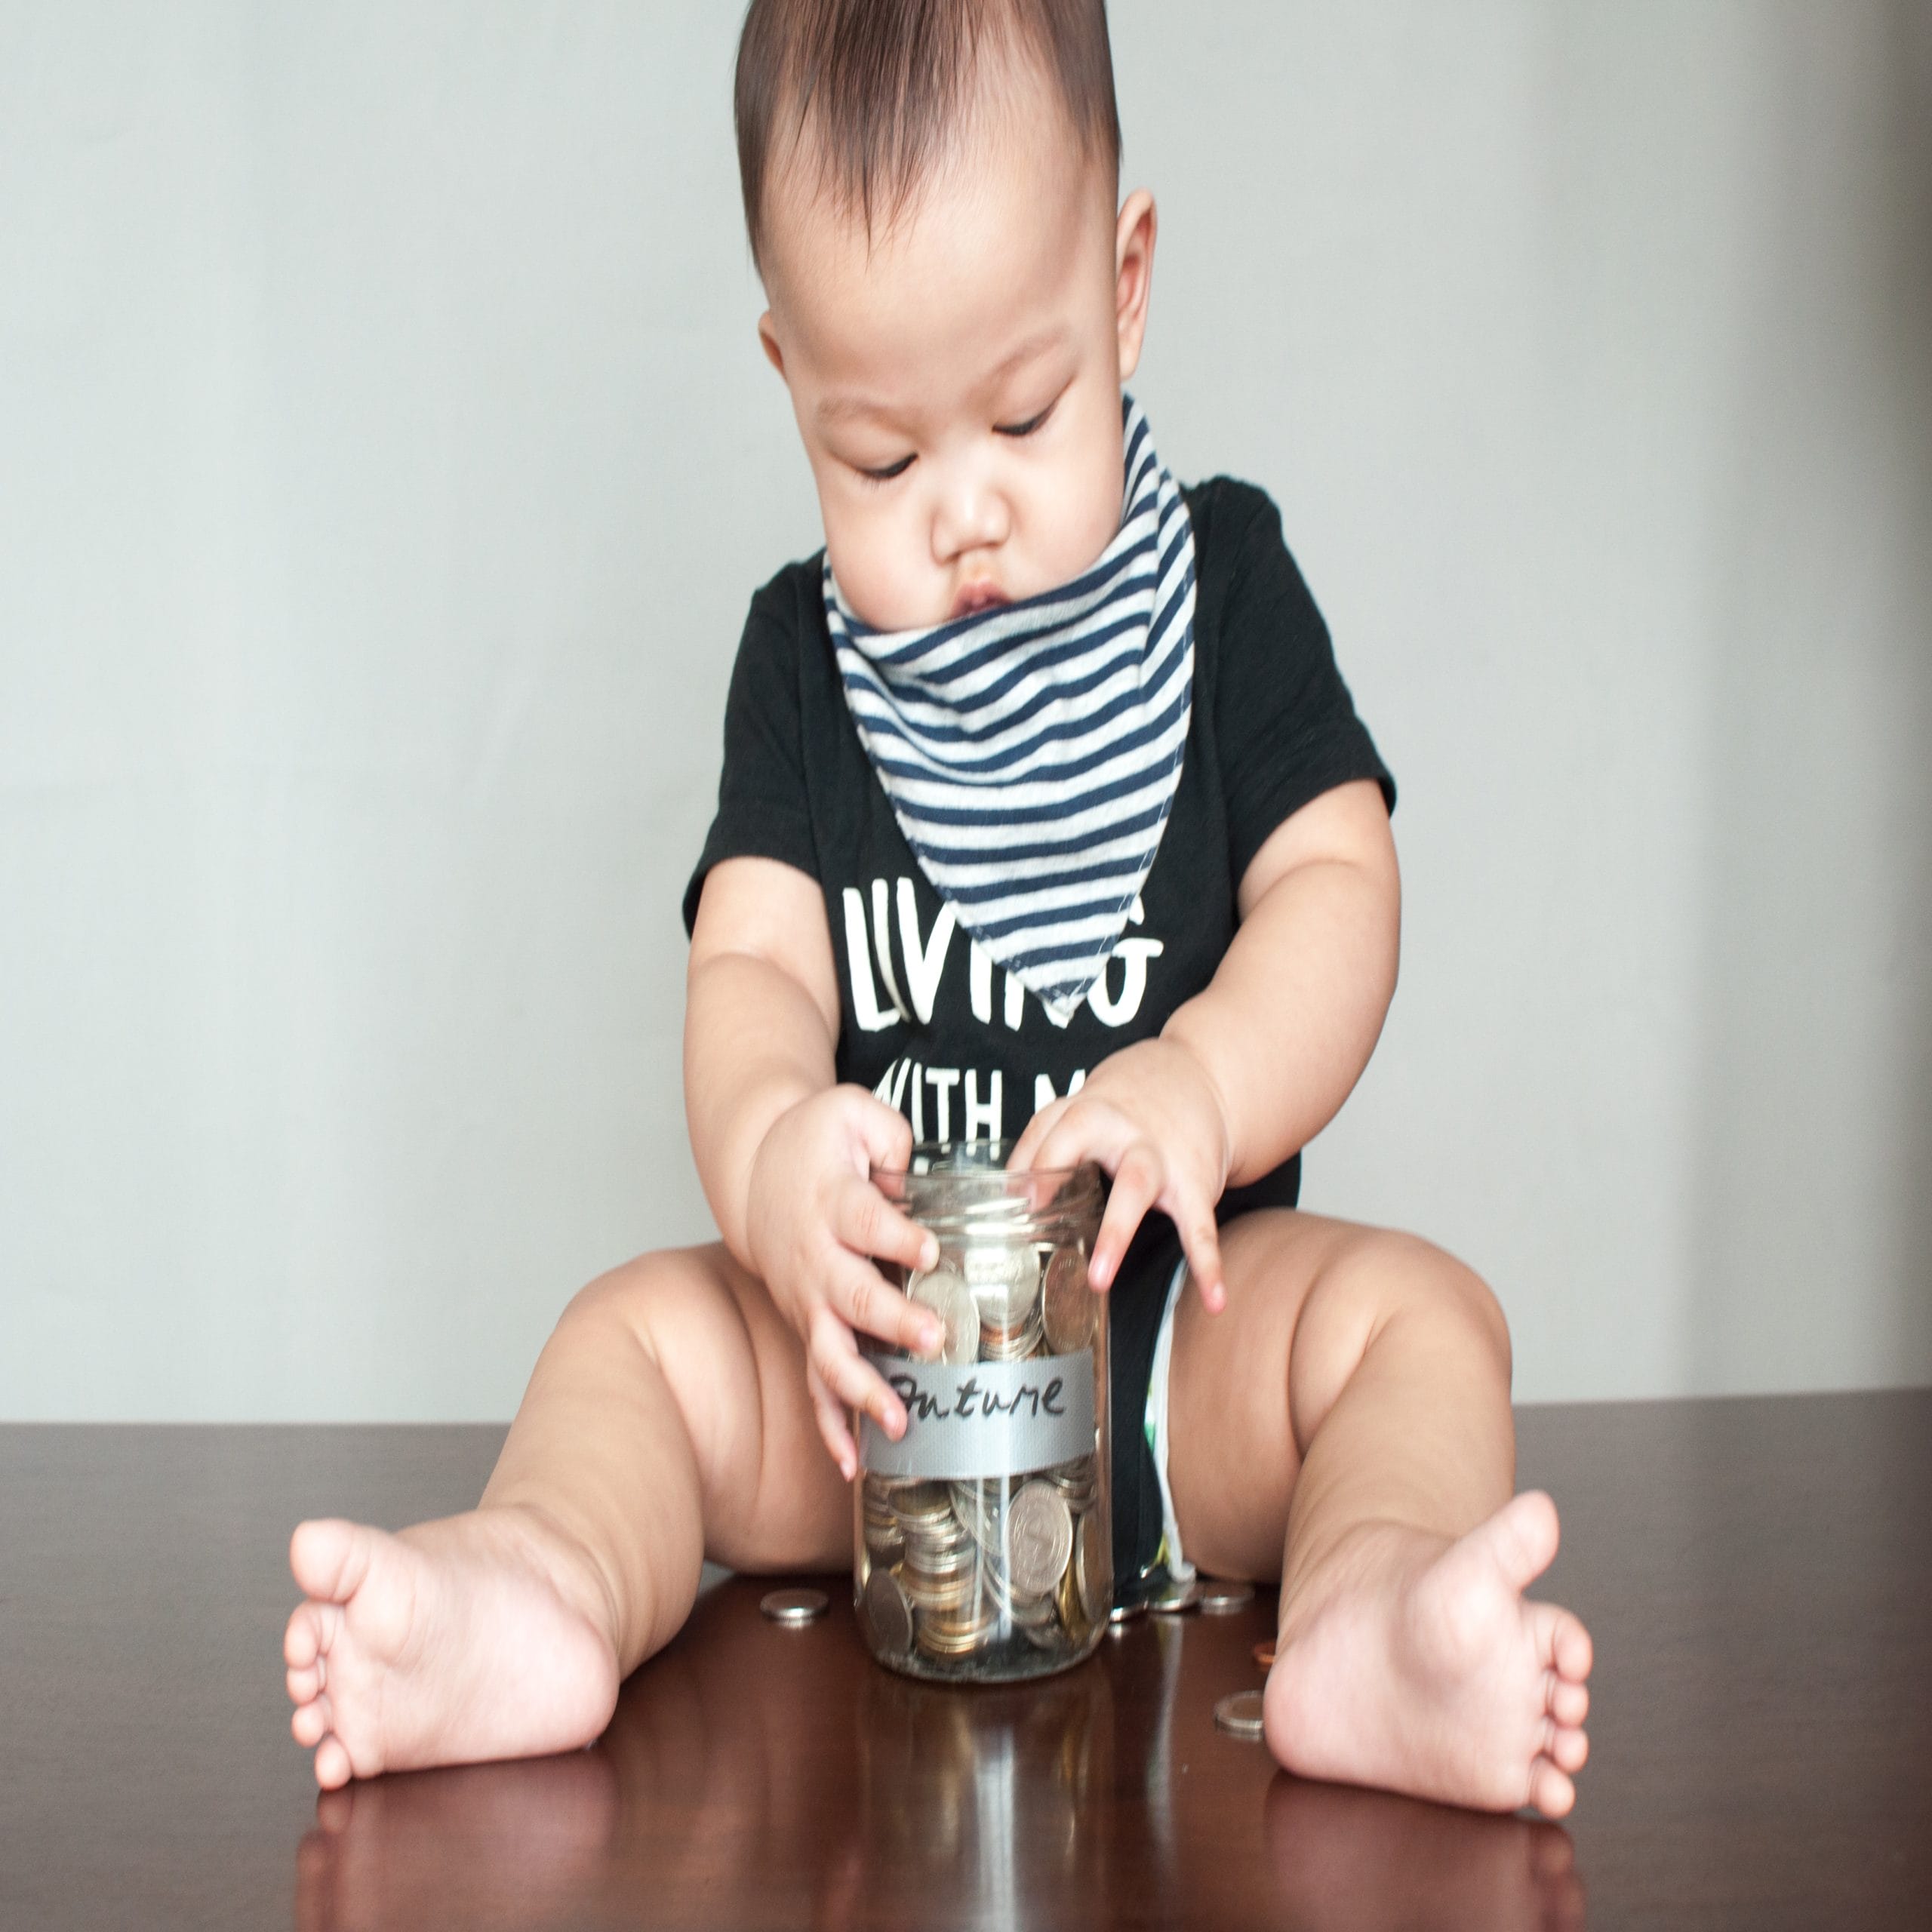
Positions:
(785, 1155)
(1287, 1023)
(1256, 1065)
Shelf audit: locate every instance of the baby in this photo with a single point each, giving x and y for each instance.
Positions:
(1045, 814)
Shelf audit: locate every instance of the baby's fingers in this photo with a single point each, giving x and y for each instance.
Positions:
(1137, 1183)
(853, 1381)
(859, 1293)
(868, 1223)
(829, 1412)
(1035, 1131)
(1201, 1242)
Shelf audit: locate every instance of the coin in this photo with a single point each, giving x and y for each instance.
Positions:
(1068, 1303)
(1264, 1655)
(1040, 1536)
(794, 1606)
(1005, 1281)
(1240, 1714)
(1224, 1599)
(944, 1290)
(1122, 1614)
(1175, 1599)
(888, 1616)
(1013, 1344)
(1093, 1567)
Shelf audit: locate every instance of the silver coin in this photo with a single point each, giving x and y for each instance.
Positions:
(1177, 1598)
(794, 1606)
(1005, 1281)
(1122, 1614)
(1068, 1303)
(888, 1616)
(944, 1290)
(1093, 1567)
(1224, 1599)
(1241, 1714)
(1039, 1529)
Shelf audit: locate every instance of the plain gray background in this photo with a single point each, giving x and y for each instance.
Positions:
(385, 464)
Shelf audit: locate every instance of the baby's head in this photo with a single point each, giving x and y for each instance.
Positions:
(930, 186)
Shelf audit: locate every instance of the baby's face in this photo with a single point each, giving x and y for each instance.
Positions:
(957, 383)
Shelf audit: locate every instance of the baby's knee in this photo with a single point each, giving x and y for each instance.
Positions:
(652, 1301)
(1384, 1274)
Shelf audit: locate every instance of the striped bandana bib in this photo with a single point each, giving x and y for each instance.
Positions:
(1031, 751)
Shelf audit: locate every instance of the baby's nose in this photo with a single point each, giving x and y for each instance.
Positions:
(969, 517)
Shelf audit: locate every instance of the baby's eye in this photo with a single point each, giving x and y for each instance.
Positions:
(886, 475)
(1027, 428)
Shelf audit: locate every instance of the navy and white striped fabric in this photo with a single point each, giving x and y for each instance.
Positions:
(1031, 751)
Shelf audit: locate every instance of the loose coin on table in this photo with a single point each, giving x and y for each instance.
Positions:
(1264, 1655)
(1240, 1715)
(1224, 1599)
(794, 1606)
(1175, 1599)
(943, 1289)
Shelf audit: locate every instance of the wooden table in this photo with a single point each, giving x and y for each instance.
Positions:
(1758, 1573)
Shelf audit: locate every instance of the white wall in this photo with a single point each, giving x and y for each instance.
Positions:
(386, 461)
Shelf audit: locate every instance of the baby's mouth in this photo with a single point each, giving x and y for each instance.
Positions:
(978, 597)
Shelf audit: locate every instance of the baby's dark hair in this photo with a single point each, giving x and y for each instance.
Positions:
(884, 84)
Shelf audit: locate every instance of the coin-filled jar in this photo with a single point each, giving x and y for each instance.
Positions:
(983, 1550)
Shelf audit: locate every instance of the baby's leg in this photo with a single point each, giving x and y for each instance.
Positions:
(1345, 1423)
(667, 1418)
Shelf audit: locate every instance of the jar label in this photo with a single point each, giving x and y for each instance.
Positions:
(984, 1418)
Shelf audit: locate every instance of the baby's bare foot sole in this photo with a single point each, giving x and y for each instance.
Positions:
(452, 1643)
(1414, 1663)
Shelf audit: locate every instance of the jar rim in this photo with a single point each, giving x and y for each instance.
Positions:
(965, 1174)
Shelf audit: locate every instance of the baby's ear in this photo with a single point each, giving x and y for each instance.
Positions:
(768, 337)
(1133, 275)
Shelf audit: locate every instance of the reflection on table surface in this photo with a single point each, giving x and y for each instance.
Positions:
(755, 1776)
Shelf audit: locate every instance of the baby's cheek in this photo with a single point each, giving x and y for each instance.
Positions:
(883, 565)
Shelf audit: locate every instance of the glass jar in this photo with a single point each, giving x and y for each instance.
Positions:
(983, 1544)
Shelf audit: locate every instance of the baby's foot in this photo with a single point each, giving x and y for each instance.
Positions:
(1414, 1662)
(457, 1641)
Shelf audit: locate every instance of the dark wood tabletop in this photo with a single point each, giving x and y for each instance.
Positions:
(1757, 1574)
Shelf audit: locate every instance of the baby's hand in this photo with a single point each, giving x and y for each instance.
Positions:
(813, 1218)
(1151, 1116)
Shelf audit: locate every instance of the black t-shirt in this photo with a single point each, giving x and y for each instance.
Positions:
(927, 1020)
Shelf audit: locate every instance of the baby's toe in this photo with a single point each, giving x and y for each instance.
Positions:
(302, 1641)
(1561, 1640)
(328, 1557)
(304, 1683)
(310, 1723)
(1567, 1702)
(1550, 1791)
(1567, 1748)
(333, 1769)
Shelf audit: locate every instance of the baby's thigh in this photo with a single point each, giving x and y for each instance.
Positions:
(1232, 1457)
(770, 1496)
(1250, 1386)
